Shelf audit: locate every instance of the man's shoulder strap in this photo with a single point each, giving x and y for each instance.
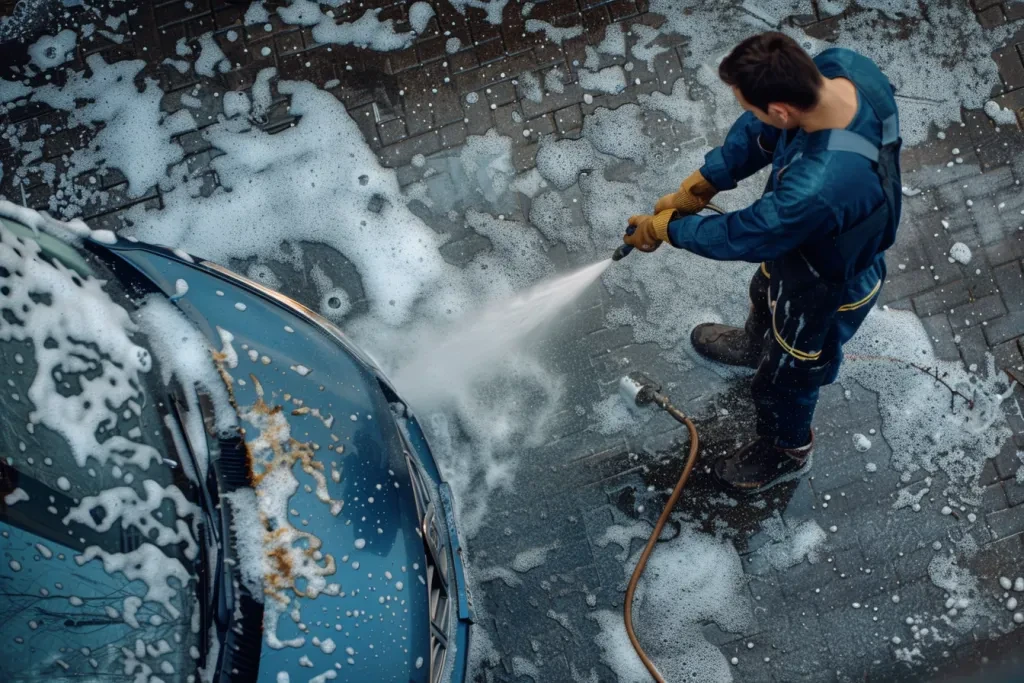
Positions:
(841, 140)
(871, 83)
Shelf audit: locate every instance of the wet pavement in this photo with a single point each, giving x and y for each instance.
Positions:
(875, 602)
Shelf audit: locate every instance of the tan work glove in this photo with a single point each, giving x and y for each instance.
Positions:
(694, 194)
(646, 233)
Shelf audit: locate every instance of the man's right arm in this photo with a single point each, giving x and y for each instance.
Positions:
(747, 149)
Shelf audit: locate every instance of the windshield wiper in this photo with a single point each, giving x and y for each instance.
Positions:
(239, 617)
(216, 603)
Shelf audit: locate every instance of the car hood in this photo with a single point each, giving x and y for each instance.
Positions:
(329, 534)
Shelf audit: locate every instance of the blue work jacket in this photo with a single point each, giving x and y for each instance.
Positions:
(813, 192)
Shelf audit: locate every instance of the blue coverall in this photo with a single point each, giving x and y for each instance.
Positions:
(820, 230)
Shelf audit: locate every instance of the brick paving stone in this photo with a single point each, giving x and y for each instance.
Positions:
(1014, 11)
(941, 334)
(1006, 249)
(1005, 523)
(976, 312)
(1005, 328)
(1011, 68)
(898, 287)
(941, 299)
(569, 120)
(392, 131)
(1006, 461)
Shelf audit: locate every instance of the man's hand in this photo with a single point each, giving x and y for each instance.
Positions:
(646, 233)
(693, 195)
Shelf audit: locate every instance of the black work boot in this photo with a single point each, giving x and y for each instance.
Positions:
(761, 464)
(727, 344)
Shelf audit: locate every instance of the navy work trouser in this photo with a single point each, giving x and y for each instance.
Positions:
(785, 388)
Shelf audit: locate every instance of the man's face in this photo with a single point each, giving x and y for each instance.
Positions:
(778, 115)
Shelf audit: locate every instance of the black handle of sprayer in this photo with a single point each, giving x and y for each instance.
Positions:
(624, 250)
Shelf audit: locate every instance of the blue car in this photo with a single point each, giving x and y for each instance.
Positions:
(203, 480)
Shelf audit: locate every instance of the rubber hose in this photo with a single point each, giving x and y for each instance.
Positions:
(691, 460)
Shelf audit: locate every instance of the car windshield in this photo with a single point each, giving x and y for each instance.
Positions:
(103, 532)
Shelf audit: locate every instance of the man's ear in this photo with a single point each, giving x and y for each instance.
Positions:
(780, 113)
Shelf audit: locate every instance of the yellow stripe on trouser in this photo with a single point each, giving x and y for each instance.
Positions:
(857, 304)
(804, 355)
(796, 353)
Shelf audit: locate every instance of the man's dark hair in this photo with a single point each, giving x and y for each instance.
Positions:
(771, 67)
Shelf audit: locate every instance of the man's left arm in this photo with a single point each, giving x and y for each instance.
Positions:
(773, 225)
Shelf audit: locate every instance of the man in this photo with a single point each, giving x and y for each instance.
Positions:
(829, 129)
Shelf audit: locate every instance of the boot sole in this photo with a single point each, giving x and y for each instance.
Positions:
(795, 474)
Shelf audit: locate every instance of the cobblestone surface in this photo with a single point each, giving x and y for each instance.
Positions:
(426, 100)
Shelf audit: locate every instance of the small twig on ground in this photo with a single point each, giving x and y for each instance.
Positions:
(931, 372)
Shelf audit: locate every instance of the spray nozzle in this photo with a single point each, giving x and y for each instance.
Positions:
(624, 249)
(639, 389)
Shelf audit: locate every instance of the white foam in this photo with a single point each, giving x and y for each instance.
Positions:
(124, 507)
(561, 161)
(51, 51)
(622, 535)
(1003, 116)
(554, 80)
(553, 33)
(367, 31)
(12, 90)
(94, 345)
(960, 253)
(790, 547)
(420, 14)
(961, 587)
(613, 415)
(326, 206)
(186, 356)
(248, 529)
(690, 581)
(531, 559)
(256, 14)
(301, 13)
(861, 443)
(16, 496)
(614, 42)
(618, 132)
(236, 104)
(645, 48)
(487, 160)
(550, 214)
(610, 80)
(261, 97)
(531, 87)
(150, 565)
(135, 135)
(926, 427)
(211, 58)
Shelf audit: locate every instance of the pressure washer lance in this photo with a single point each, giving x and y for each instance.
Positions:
(624, 249)
(640, 390)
